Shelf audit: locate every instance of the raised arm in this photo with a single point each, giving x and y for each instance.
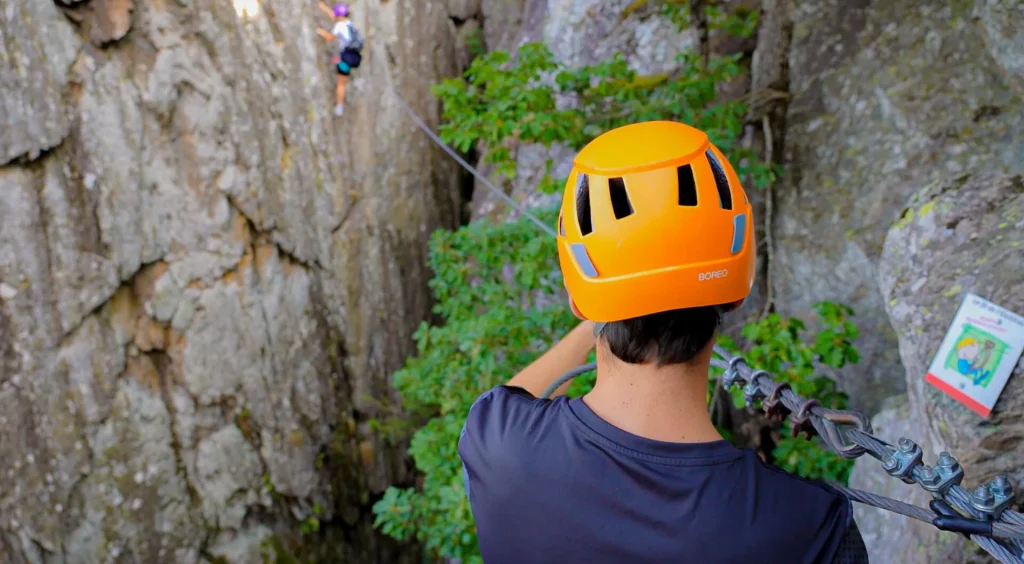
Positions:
(326, 35)
(567, 354)
(323, 7)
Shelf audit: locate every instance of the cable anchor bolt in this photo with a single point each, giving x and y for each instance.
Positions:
(773, 406)
(800, 422)
(946, 473)
(752, 394)
(992, 497)
(732, 374)
(901, 461)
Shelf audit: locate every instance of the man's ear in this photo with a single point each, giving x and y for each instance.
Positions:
(576, 310)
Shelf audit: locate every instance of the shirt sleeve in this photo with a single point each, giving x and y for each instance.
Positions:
(845, 544)
(827, 524)
(851, 549)
(342, 32)
(490, 433)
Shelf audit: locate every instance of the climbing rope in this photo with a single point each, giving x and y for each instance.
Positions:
(982, 515)
(568, 376)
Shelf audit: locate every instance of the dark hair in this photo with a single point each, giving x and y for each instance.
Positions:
(669, 337)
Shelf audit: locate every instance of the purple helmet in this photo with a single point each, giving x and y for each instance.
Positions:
(340, 10)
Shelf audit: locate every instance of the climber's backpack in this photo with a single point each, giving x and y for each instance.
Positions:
(356, 43)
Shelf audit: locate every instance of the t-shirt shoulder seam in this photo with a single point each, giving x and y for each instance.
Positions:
(524, 397)
(506, 392)
(813, 483)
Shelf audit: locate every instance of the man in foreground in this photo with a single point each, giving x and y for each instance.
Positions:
(656, 242)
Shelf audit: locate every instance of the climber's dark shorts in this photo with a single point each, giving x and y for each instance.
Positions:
(348, 60)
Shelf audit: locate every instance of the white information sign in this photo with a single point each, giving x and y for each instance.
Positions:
(978, 354)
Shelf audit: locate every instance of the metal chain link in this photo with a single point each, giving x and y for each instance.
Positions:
(989, 521)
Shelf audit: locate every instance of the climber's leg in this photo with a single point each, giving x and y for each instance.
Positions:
(339, 88)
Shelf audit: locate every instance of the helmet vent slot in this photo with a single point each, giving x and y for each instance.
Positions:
(721, 181)
(620, 198)
(687, 186)
(583, 203)
(561, 225)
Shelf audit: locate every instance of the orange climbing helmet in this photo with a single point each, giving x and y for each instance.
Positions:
(654, 219)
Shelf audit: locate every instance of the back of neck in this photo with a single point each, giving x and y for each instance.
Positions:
(664, 404)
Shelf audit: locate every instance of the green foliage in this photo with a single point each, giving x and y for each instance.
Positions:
(780, 347)
(475, 43)
(678, 11)
(737, 23)
(502, 100)
(740, 22)
(491, 328)
(309, 525)
(810, 460)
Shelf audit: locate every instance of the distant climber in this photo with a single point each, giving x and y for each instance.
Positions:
(350, 46)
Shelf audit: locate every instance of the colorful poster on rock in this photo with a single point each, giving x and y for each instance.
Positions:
(977, 356)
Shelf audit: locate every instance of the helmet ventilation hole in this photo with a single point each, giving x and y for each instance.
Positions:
(583, 203)
(561, 225)
(620, 199)
(721, 181)
(687, 186)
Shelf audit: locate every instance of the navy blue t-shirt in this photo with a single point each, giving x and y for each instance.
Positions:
(550, 481)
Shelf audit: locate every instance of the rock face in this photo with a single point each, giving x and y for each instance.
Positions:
(206, 279)
(886, 97)
(502, 20)
(32, 119)
(1004, 36)
(963, 234)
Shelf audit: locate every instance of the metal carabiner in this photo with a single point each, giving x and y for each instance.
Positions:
(843, 448)
(853, 418)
